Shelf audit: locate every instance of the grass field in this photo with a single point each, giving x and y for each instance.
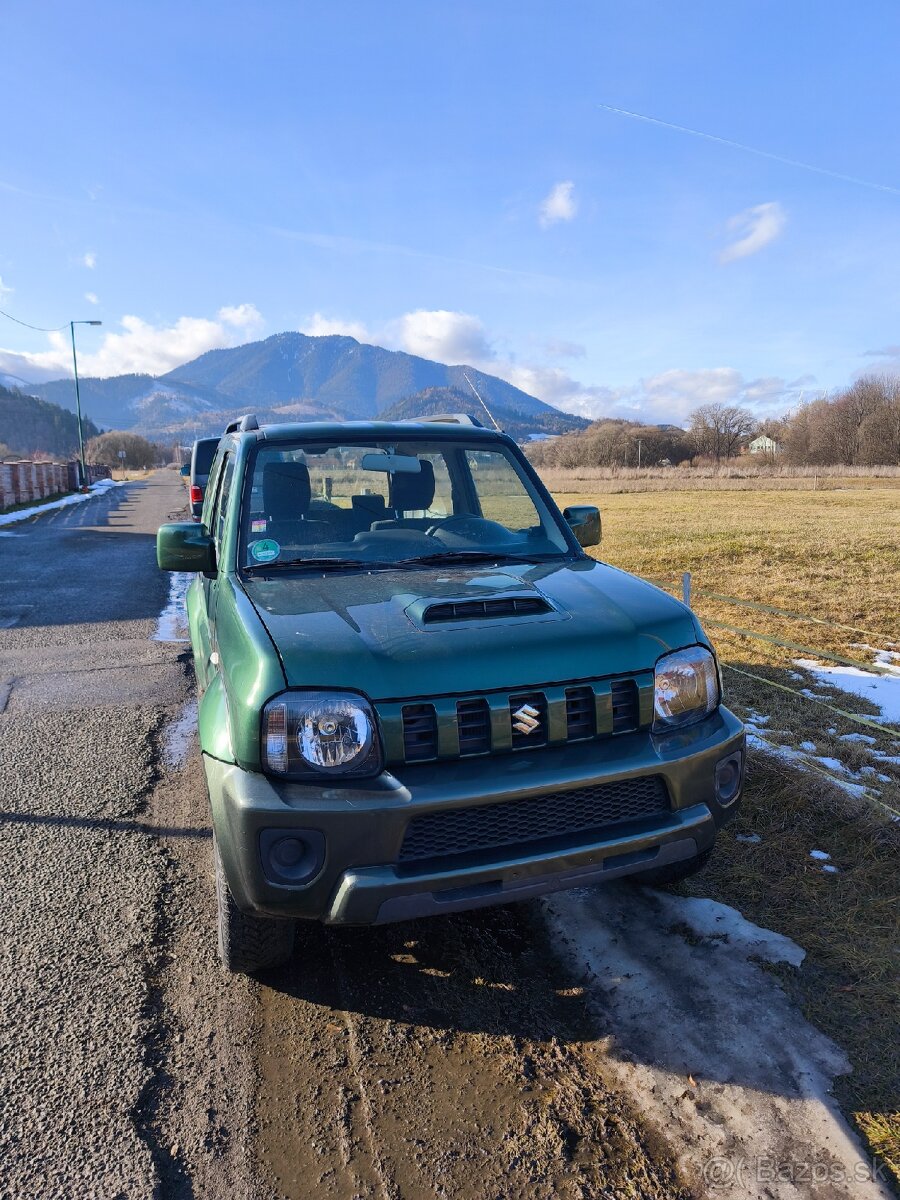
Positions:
(831, 555)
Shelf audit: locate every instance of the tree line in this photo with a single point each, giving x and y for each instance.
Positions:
(856, 426)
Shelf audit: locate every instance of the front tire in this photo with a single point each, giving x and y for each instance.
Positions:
(248, 943)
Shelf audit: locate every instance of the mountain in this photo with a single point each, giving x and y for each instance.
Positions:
(432, 401)
(29, 425)
(289, 376)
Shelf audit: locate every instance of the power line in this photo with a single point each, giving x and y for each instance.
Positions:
(37, 328)
(712, 137)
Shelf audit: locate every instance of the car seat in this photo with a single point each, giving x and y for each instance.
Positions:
(286, 497)
(411, 492)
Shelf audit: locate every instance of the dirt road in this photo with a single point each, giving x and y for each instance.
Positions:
(476, 1056)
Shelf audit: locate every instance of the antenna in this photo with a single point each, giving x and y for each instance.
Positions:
(481, 402)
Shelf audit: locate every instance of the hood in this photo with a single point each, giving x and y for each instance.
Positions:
(369, 633)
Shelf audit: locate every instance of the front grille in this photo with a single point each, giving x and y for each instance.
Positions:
(516, 824)
(624, 705)
(473, 610)
(419, 732)
(547, 715)
(580, 718)
(473, 719)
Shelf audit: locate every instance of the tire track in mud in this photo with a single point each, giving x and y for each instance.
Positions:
(440, 1058)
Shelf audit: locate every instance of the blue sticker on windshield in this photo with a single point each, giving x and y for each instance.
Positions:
(265, 551)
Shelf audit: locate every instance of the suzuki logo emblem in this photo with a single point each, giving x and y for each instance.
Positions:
(526, 719)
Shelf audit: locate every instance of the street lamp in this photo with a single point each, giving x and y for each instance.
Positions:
(72, 325)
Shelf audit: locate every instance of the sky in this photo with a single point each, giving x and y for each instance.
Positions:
(461, 180)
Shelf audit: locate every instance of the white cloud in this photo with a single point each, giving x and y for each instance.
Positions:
(753, 228)
(319, 325)
(244, 317)
(89, 260)
(140, 346)
(92, 297)
(558, 205)
(450, 337)
(4, 288)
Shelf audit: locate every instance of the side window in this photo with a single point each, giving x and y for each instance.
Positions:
(209, 495)
(221, 510)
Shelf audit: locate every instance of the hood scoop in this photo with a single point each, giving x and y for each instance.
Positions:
(494, 608)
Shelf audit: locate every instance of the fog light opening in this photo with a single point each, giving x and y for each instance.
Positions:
(729, 778)
(291, 856)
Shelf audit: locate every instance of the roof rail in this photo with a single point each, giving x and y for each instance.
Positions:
(242, 424)
(444, 419)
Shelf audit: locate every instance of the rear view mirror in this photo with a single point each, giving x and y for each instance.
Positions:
(392, 463)
(185, 547)
(185, 471)
(584, 521)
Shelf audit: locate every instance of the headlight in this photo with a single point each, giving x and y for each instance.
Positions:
(320, 733)
(687, 688)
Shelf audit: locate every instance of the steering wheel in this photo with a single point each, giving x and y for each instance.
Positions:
(471, 528)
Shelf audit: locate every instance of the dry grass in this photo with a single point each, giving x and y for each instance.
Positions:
(832, 555)
(740, 477)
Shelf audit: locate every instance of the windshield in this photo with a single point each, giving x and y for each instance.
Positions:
(392, 502)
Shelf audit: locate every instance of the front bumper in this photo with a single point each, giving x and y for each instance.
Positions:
(362, 881)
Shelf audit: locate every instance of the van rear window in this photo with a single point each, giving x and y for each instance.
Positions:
(204, 453)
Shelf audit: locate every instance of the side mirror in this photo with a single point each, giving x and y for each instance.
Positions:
(185, 547)
(584, 521)
(185, 471)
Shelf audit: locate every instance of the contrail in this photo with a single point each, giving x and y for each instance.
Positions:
(789, 162)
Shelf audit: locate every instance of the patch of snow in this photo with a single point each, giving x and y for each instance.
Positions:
(172, 625)
(832, 764)
(862, 738)
(750, 839)
(708, 1045)
(758, 718)
(820, 855)
(801, 761)
(809, 746)
(24, 514)
(882, 690)
(884, 658)
(178, 736)
(830, 869)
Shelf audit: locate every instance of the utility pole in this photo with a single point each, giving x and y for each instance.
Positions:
(72, 325)
(639, 453)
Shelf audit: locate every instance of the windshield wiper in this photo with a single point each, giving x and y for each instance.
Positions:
(449, 556)
(320, 564)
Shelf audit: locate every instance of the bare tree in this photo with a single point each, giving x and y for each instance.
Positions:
(717, 430)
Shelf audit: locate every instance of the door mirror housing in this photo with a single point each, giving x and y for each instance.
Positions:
(185, 471)
(185, 547)
(584, 521)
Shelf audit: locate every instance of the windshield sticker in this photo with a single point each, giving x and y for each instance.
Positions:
(265, 551)
(258, 526)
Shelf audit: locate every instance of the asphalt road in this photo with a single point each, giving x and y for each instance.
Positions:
(88, 885)
(523, 1052)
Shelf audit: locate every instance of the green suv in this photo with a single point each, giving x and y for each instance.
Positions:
(419, 695)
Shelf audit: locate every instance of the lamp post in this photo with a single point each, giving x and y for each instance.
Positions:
(72, 325)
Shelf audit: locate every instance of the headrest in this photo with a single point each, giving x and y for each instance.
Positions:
(286, 490)
(369, 504)
(410, 493)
